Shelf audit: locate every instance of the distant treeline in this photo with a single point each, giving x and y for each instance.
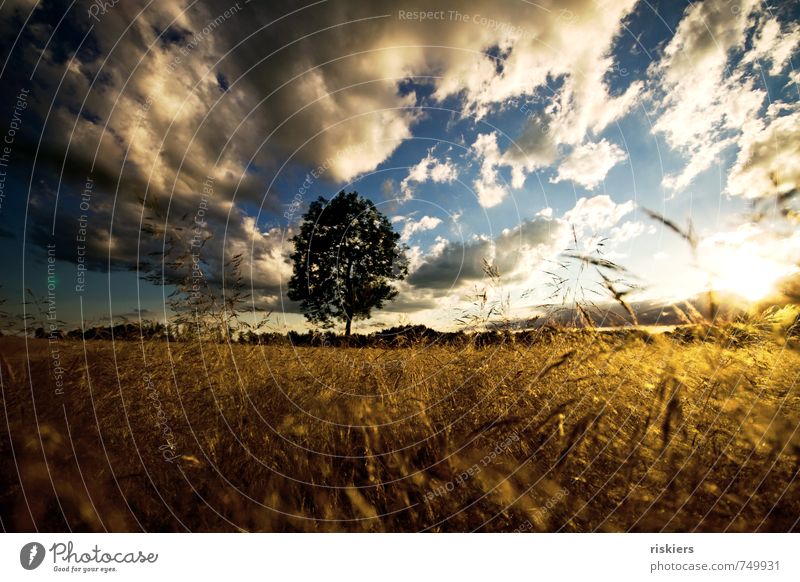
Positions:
(398, 336)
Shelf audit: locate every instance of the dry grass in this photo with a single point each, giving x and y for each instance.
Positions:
(581, 431)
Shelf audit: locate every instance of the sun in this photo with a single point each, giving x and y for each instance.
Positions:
(746, 272)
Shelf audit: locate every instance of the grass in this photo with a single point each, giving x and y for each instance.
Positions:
(576, 431)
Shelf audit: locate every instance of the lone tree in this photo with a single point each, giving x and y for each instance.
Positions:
(346, 256)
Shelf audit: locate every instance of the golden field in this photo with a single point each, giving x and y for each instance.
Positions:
(571, 431)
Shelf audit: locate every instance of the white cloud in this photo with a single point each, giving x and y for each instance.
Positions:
(708, 101)
(701, 159)
(539, 45)
(588, 164)
(774, 44)
(769, 161)
(412, 226)
(691, 74)
(487, 185)
(629, 230)
(597, 213)
(428, 169)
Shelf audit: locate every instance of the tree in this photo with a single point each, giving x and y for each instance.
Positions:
(346, 256)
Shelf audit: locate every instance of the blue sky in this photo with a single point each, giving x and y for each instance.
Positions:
(484, 131)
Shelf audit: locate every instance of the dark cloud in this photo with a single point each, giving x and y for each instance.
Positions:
(513, 253)
(453, 265)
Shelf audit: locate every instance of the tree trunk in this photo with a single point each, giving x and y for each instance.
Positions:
(349, 309)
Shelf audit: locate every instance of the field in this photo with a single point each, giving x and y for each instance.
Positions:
(573, 431)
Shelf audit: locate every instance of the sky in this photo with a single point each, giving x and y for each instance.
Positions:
(505, 131)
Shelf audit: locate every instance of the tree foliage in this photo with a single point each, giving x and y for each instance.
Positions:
(345, 257)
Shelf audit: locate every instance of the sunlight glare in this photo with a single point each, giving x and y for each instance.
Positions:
(745, 271)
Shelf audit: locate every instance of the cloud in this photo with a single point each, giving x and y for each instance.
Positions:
(520, 158)
(450, 270)
(450, 265)
(769, 160)
(704, 85)
(535, 45)
(539, 144)
(698, 51)
(488, 189)
(316, 86)
(629, 230)
(533, 148)
(588, 164)
(410, 299)
(23, 7)
(774, 44)
(515, 253)
(411, 226)
(388, 188)
(341, 89)
(428, 169)
(597, 213)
